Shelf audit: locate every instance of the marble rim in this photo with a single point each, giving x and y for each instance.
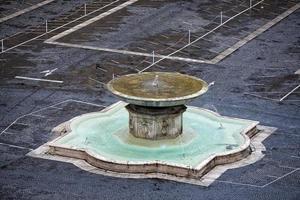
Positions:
(158, 102)
(106, 163)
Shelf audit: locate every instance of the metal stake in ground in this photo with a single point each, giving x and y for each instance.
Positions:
(153, 57)
(46, 26)
(85, 9)
(2, 45)
(221, 17)
(189, 36)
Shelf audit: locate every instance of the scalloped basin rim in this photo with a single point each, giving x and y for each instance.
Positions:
(139, 91)
(168, 167)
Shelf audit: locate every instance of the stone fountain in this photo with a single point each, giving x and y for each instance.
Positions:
(156, 101)
(153, 131)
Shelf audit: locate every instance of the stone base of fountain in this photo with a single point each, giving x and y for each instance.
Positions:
(103, 140)
(155, 122)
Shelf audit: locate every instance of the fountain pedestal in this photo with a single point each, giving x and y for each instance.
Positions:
(155, 122)
(156, 101)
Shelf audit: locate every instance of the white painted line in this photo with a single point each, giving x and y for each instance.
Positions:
(259, 31)
(15, 146)
(48, 72)
(51, 106)
(214, 61)
(38, 79)
(33, 113)
(273, 93)
(22, 67)
(236, 183)
(21, 124)
(41, 116)
(289, 84)
(141, 48)
(37, 37)
(187, 23)
(297, 72)
(90, 21)
(128, 52)
(296, 157)
(97, 81)
(258, 96)
(104, 70)
(281, 177)
(115, 61)
(283, 166)
(92, 104)
(10, 133)
(164, 36)
(289, 134)
(155, 43)
(3, 19)
(58, 108)
(285, 96)
(196, 40)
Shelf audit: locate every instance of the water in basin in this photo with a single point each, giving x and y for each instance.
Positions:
(107, 134)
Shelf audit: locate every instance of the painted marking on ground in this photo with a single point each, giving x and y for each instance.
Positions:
(296, 157)
(35, 115)
(215, 60)
(50, 31)
(38, 79)
(293, 90)
(3, 19)
(90, 21)
(128, 52)
(97, 81)
(15, 146)
(47, 107)
(253, 35)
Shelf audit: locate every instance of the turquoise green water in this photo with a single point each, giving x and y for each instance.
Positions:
(107, 134)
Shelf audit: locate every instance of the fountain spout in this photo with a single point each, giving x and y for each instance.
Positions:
(155, 81)
(211, 84)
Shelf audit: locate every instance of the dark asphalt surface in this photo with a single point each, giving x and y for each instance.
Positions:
(264, 67)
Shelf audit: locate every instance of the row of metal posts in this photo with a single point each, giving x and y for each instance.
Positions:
(46, 28)
(153, 54)
(85, 13)
(189, 35)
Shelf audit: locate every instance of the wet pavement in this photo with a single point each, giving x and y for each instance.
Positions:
(8, 7)
(172, 24)
(248, 84)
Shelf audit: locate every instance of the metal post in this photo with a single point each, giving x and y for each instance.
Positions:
(2, 45)
(153, 57)
(189, 36)
(84, 9)
(46, 26)
(113, 76)
(250, 3)
(221, 17)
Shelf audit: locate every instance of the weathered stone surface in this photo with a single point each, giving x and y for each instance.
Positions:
(155, 123)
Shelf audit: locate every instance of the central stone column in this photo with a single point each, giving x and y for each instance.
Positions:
(155, 122)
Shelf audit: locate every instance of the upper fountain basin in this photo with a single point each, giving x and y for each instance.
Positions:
(157, 89)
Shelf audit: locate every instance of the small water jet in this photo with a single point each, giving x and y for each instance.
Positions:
(213, 108)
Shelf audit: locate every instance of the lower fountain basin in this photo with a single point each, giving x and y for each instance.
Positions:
(103, 140)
